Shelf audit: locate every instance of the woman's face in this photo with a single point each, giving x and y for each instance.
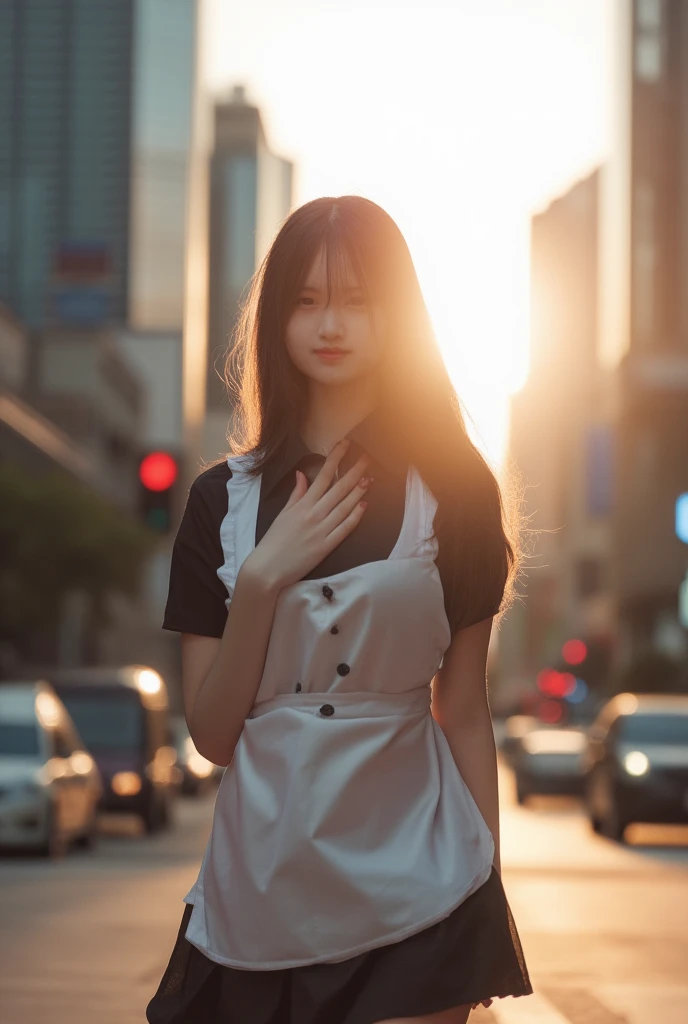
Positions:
(337, 341)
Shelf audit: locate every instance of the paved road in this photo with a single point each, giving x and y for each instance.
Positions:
(604, 928)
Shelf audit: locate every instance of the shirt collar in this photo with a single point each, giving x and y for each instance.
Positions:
(370, 434)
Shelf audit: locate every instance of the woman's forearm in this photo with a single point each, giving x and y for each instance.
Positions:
(228, 692)
(473, 748)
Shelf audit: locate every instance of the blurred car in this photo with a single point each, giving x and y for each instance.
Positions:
(636, 762)
(548, 759)
(515, 728)
(196, 773)
(50, 787)
(122, 715)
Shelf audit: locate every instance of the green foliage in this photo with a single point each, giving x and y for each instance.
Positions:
(57, 535)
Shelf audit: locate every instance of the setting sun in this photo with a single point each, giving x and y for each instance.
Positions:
(461, 122)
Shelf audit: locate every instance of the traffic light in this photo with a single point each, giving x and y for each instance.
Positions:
(574, 652)
(589, 661)
(158, 475)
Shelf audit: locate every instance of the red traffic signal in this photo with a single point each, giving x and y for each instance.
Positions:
(158, 473)
(574, 652)
(555, 684)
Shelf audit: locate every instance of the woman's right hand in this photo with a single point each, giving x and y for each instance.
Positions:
(312, 523)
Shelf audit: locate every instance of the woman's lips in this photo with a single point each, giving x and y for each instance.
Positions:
(331, 355)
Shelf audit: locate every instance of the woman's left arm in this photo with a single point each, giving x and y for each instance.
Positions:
(461, 709)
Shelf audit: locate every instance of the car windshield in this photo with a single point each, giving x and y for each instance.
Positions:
(657, 728)
(19, 740)
(106, 721)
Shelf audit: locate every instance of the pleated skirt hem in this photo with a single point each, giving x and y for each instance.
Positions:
(473, 954)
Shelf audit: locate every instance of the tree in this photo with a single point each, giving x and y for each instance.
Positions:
(57, 535)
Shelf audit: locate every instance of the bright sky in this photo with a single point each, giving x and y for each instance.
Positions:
(460, 118)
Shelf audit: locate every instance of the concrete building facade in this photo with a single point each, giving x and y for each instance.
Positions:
(250, 195)
(561, 445)
(649, 347)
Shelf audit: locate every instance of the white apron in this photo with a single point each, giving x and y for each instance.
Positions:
(342, 822)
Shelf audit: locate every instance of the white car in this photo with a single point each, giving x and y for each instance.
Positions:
(50, 787)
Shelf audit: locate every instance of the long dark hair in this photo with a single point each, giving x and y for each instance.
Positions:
(477, 548)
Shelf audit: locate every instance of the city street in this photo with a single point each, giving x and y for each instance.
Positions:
(605, 928)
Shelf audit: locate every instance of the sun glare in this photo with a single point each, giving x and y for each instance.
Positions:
(460, 119)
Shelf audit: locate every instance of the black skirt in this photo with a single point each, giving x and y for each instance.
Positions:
(473, 954)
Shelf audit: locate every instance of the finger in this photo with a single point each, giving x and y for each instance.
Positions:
(339, 490)
(344, 507)
(300, 489)
(327, 471)
(347, 526)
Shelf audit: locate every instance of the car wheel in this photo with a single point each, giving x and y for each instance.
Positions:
(55, 845)
(88, 840)
(157, 815)
(166, 813)
(589, 805)
(151, 816)
(613, 825)
(522, 791)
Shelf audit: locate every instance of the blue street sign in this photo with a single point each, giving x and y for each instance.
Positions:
(682, 518)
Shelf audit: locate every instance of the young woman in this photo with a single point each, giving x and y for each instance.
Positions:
(335, 581)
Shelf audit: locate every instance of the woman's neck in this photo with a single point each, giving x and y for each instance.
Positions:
(333, 412)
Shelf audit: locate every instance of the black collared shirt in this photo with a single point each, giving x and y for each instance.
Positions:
(196, 598)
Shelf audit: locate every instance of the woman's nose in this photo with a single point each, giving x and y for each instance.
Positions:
(330, 323)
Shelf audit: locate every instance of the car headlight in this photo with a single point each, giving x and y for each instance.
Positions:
(636, 763)
(126, 783)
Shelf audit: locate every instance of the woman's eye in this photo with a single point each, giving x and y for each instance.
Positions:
(305, 300)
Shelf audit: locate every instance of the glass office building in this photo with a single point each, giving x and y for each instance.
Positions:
(65, 115)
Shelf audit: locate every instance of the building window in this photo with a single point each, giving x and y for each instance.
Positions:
(644, 258)
(649, 44)
(599, 470)
(649, 14)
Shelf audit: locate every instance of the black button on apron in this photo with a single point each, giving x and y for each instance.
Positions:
(335, 629)
(327, 710)
(328, 592)
(343, 669)
(298, 687)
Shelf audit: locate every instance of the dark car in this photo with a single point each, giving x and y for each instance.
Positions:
(547, 760)
(636, 762)
(515, 728)
(122, 715)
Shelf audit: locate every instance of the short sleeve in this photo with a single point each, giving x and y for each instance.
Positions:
(196, 596)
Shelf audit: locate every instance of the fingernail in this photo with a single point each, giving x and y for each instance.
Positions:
(363, 504)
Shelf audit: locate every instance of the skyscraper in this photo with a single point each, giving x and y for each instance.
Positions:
(65, 130)
(250, 195)
(96, 104)
(561, 443)
(644, 317)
